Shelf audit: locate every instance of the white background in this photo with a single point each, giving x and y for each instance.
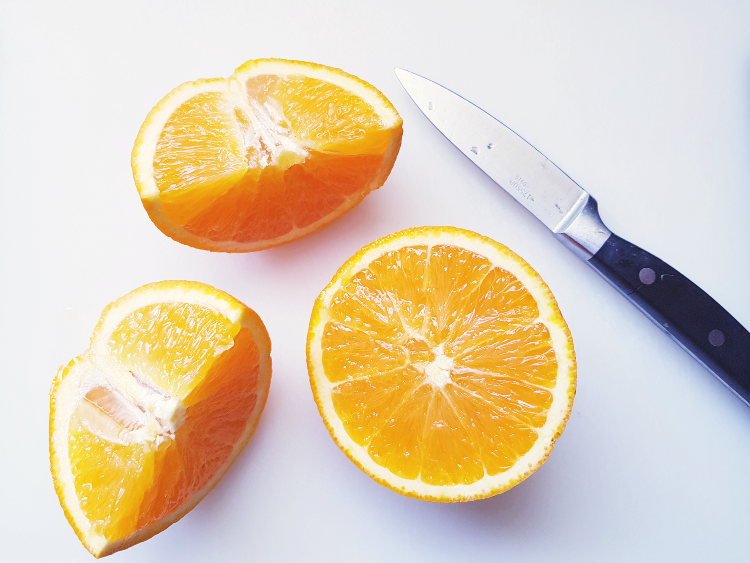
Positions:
(646, 104)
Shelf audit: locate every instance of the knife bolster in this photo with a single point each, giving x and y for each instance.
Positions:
(585, 235)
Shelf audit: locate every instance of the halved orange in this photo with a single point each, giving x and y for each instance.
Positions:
(441, 364)
(146, 422)
(274, 152)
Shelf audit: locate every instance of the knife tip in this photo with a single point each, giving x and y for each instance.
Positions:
(401, 73)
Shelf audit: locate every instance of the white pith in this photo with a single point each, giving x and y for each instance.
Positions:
(437, 372)
(143, 413)
(271, 135)
(160, 416)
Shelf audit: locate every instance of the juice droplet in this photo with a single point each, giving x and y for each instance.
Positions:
(475, 150)
(429, 105)
(70, 313)
(491, 145)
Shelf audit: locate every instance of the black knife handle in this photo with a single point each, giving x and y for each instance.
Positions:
(680, 308)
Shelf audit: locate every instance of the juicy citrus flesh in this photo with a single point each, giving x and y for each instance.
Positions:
(278, 150)
(147, 421)
(441, 364)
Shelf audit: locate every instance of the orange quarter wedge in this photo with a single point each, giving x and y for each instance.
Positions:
(145, 423)
(274, 152)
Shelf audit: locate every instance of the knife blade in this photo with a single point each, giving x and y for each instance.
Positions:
(676, 305)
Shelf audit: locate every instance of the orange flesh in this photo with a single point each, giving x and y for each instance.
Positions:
(438, 367)
(123, 484)
(215, 170)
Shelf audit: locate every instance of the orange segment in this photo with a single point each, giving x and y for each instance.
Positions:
(356, 354)
(171, 344)
(403, 276)
(449, 456)
(525, 353)
(500, 304)
(320, 113)
(398, 445)
(365, 404)
(441, 364)
(199, 156)
(453, 275)
(145, 423)
(106, 491)
(500, 438)
(274, 152)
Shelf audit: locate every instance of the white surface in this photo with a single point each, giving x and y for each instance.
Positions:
(645, 104)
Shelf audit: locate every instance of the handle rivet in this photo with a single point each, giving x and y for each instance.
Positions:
(716, 337)
(647, 276)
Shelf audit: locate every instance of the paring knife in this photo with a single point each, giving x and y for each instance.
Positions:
(679, 307)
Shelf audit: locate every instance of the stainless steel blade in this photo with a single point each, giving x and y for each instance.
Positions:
(524, 172)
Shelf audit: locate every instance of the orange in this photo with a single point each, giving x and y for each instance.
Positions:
(272, 153)
(145, 423)
(441, 364)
